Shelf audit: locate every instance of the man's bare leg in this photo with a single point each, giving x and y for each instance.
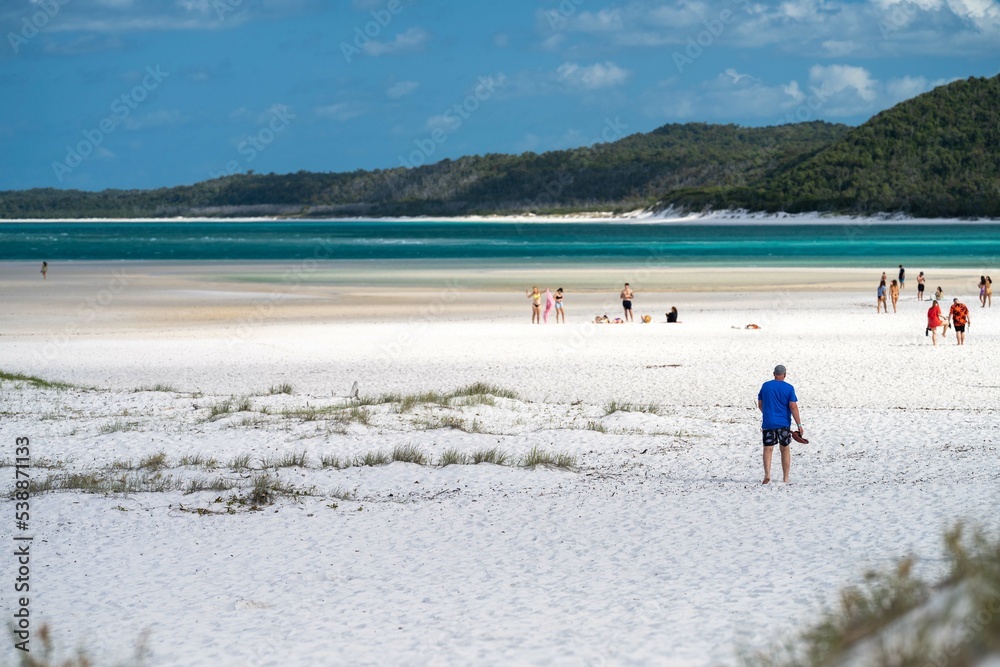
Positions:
(786, 462)
(768, 451)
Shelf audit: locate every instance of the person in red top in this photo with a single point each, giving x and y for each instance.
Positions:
(934, 320)
(959, 317)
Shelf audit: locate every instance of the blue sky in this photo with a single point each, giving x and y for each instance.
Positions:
(144, 94)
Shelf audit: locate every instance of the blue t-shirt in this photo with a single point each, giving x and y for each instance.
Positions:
(881, 290)
(776, 395)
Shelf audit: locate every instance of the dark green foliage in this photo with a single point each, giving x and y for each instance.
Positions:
(931, 156)
(633, 172)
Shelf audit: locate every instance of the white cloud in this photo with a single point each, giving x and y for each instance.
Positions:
(813, 28)
(127, 16)
(341, 112)
(605, 20)
(837, 48)
(599, 75)
(412, 40)
(835, 79)
(443, 122)
(401, 89)
(831, 93)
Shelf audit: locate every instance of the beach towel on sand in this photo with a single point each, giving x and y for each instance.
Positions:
(550, 303)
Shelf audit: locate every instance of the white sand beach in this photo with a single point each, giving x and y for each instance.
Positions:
(657, 545)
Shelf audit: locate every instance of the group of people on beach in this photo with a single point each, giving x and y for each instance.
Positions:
(554, 301)
(958, 317)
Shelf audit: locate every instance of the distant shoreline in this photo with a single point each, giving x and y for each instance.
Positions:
(719, 218)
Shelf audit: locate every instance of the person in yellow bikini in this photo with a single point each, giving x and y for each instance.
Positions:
(536, 305)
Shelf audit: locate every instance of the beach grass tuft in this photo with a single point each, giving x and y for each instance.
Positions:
(373, 458)
(158, 387)
(409, 454)
(196, 484)
(539, 457)
(615, 405)
(240, 462)
(596, 426)
(896, 618)
(491, 455)
(34, 381)
(153, 462)
(220, 409)
(118, 426)
(43, 652)
(332, 461)
(485, 389)
(450, 457)
(355, 415)
(283, 388)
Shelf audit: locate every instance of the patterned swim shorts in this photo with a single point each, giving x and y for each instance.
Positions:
(776, 436)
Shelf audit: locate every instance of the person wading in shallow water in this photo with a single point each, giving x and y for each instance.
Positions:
(777, 403)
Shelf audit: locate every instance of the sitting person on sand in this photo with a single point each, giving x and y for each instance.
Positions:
(672, 315)
(939, 293)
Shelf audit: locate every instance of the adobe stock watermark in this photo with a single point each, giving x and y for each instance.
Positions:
(121, 108)
(554, 186)
(263, 309)
(418, 325)
(558, 18)
(256, 143)
(713, 30)
(808, 108)
(86, 312)
(897, 18)
(363, 35)
(223, 7)
(32, 24)
(452, 119)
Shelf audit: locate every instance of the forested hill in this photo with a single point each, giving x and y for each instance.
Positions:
(635, 171)
(937, 154)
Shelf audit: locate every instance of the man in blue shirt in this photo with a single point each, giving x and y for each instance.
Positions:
(777, 402)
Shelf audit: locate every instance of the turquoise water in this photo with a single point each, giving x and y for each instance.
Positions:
(848, 244)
